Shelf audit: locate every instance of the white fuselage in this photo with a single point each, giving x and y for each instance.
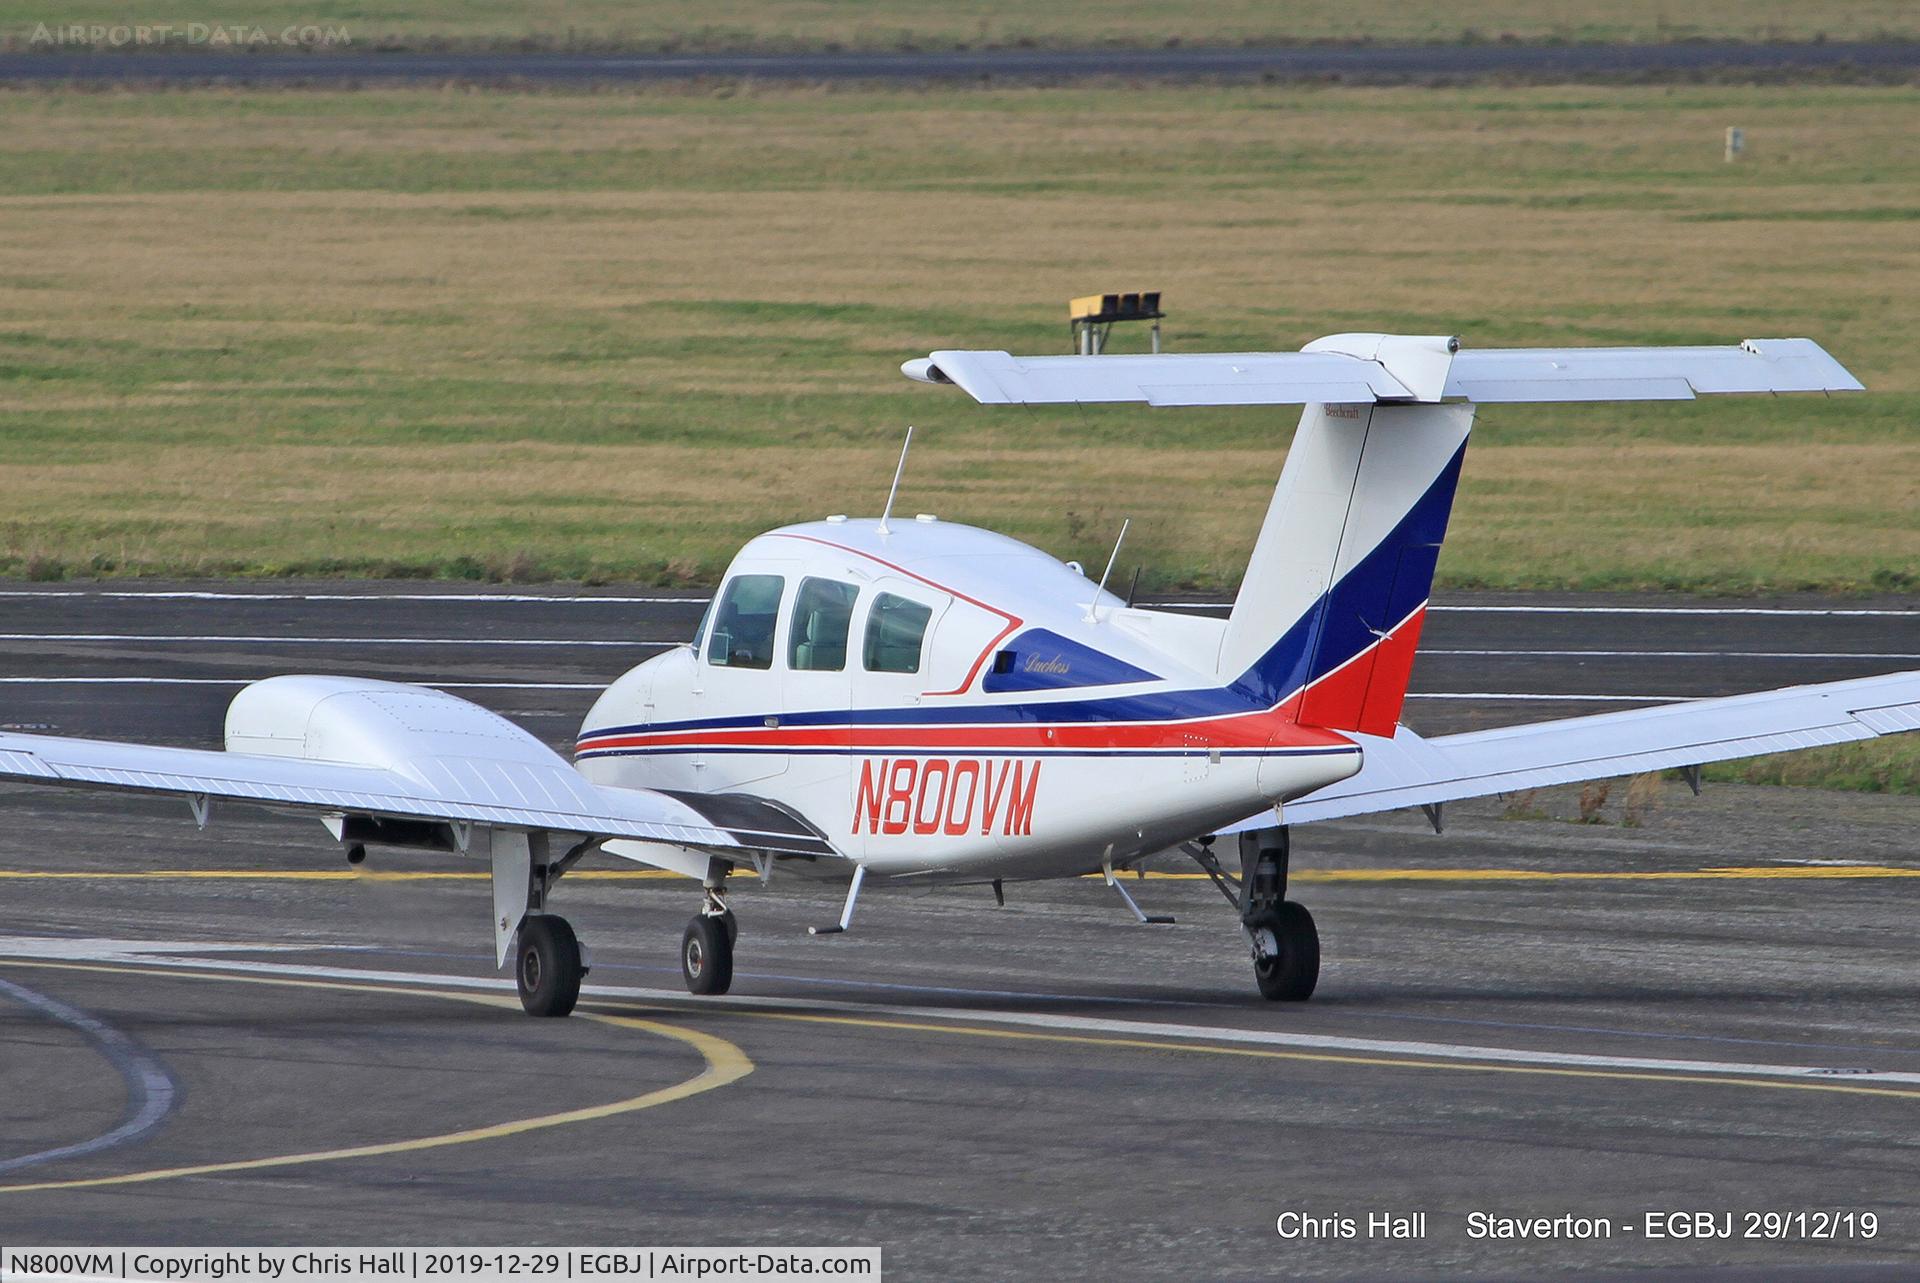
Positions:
(946, 703)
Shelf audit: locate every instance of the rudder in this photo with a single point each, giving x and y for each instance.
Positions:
(1329, 615)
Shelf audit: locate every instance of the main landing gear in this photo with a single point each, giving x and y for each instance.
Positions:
(548, 966)
(1286, 945)
(706, 948)
(549, 962)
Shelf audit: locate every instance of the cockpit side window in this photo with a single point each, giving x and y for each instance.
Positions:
(822, 615)
(700, 633)
(896, 627)
(743, 623)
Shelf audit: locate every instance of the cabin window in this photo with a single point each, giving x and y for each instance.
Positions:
(743, 623)
(822, 615)
(700, 633)
(895, 629)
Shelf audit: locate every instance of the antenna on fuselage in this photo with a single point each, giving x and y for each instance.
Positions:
(888, 510)
(1091, 617)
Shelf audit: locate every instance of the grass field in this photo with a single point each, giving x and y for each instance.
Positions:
(610, 336)
(883, 24)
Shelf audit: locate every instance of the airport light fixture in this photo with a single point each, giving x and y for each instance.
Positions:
(1093, 315)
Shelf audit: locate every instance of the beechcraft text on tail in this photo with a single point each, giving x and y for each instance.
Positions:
(907, 701)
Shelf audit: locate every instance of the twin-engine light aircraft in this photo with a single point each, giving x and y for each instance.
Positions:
(913, 701)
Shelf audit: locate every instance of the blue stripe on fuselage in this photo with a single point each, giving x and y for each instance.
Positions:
(1382, 589)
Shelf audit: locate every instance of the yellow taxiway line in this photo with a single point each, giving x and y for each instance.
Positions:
(724, 1063)
(1815, 872)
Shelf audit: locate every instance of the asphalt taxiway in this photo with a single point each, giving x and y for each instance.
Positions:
(232, 1037)
(134, 60)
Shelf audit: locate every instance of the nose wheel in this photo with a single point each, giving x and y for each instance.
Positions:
(706, 953)
(548, 966)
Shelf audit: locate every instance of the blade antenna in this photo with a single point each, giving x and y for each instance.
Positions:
(1115, 556)
(888, 511)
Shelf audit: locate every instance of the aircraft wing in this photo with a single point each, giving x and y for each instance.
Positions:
(1409, 770)
(520, 791)
(1359, 368)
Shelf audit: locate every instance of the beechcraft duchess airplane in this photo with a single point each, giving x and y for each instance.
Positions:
(912, 701)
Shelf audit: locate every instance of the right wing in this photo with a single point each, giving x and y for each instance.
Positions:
(413, 753)
(1409, 770)
(524, 797)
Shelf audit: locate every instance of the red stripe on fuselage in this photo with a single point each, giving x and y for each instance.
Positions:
(1268, 728)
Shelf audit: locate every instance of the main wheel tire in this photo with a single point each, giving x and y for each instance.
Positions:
(547, 968)
(706, 956)
(1290, 975)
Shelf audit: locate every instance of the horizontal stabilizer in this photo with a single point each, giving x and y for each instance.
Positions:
(1645, 373)
(1360, 368)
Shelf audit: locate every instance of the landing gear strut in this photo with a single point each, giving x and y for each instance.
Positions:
(1286, 946)
(706, 948)
(549, 962)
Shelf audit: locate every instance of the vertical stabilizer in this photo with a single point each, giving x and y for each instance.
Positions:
(1329, 614)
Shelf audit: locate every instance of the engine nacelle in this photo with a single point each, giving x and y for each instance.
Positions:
(415, 731)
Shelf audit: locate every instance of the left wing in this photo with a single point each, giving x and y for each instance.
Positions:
(1408, 770)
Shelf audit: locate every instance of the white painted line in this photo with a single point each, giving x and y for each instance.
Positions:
(1458, 653)
(1681, 654)
(1812, 612)
(175, 595)
(1577, 699)
(171, 594)
(594, 686)
(135, 953)
(568, 600)
(242, 681)
(1809, 612)
(328, 641)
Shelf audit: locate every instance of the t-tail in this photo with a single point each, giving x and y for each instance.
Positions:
(1328, 617)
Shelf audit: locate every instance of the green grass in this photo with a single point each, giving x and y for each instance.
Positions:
(1890, 765)
(613, 335)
